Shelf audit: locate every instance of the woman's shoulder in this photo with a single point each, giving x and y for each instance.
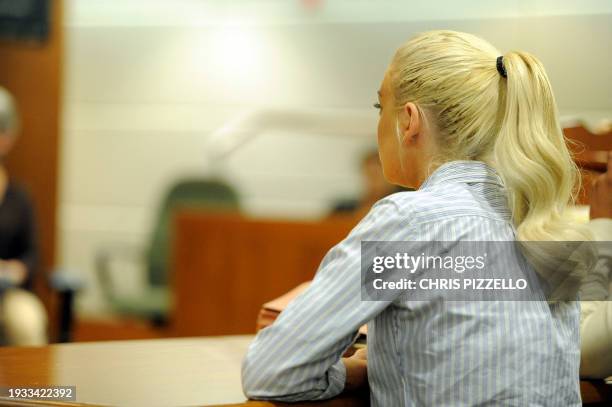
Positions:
(400, 208)
(425, 205)
(416, 201)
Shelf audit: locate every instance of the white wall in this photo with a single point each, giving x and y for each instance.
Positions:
(147, 81)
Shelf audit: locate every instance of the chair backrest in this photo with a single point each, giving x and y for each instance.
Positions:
(203, 193)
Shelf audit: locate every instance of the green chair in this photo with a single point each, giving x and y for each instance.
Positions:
(154, 302)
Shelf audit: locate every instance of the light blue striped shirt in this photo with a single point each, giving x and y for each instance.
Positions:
(422, 353)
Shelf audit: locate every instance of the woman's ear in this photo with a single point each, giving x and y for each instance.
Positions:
(410, 124)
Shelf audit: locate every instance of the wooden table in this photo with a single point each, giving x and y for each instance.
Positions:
(158, 372)
(161, 372)
(169, 372)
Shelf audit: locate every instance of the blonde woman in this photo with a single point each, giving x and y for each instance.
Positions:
(477, 134)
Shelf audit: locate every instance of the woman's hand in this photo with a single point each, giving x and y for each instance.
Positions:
(601, 193)
(356, 370)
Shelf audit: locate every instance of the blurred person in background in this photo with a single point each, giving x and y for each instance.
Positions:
(375, 185)
(23, 319)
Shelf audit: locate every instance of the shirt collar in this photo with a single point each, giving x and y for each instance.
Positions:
(463, 171)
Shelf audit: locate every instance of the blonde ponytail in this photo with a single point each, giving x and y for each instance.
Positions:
(532, 156)
(509, 122)
(530, 151)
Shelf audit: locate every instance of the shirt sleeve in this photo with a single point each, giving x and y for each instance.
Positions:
(299, 356)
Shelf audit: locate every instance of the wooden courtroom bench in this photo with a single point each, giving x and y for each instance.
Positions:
(226, 266)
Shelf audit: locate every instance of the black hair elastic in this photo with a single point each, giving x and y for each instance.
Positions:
(500, 66)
